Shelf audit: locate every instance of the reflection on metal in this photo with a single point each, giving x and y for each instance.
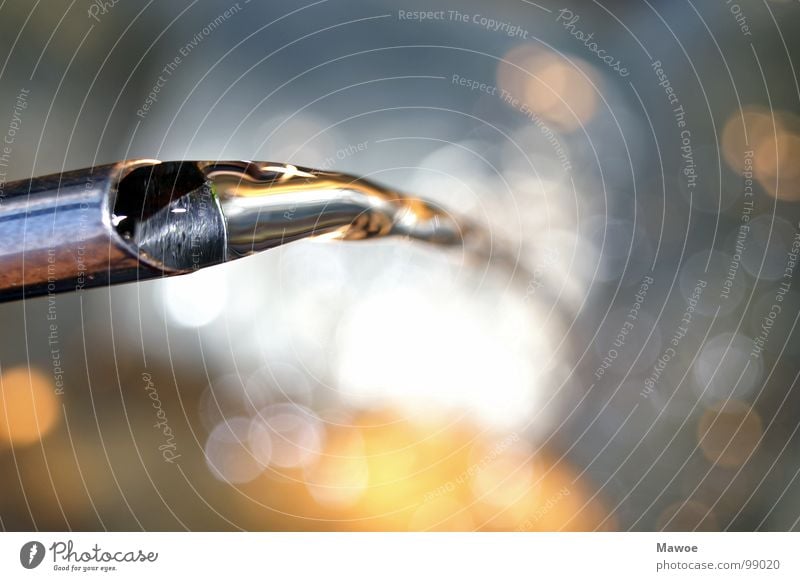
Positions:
(140, 219)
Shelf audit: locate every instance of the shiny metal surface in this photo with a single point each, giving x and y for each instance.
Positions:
(56, 235)
(140, 219)
(268, 204)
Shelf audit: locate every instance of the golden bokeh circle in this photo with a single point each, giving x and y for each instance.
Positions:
(28, 406)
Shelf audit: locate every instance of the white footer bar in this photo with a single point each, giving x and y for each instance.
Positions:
(400, 556)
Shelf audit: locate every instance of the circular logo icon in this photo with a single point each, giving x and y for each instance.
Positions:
(31, 554)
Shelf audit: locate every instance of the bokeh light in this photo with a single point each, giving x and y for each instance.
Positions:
(773, 137)
(30, 409)
(196, 299)
(559, 90)
(295, 433)
(726, 369)
(228, 452)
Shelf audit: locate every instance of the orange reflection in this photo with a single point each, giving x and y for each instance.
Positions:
(341, 475)
(384, 472)
(442, 514)
(742, 129)
(773, 137)
(558, 90)
(28, 407)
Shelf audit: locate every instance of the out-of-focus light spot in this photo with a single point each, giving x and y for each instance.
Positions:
(310, 266)
(454, 176)
(776, 157)
(196, 299)
(260, 442)
(729, 433)
(28, 406)
(687, 516)
(441, 514)
(773, 137)
(338, 484)
(409, 463)
(742, 130)
(555, 500)
(377, 470)
(296, 434)
(310, 279)
(558, 90)
(725, 368)
(228, 452)
(504, 481)
(537, 205)
(771, 154)
(341, 475)
(410, 348)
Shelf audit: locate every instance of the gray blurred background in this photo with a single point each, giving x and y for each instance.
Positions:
(637, 370)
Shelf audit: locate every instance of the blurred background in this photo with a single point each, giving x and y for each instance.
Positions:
(634, 370)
